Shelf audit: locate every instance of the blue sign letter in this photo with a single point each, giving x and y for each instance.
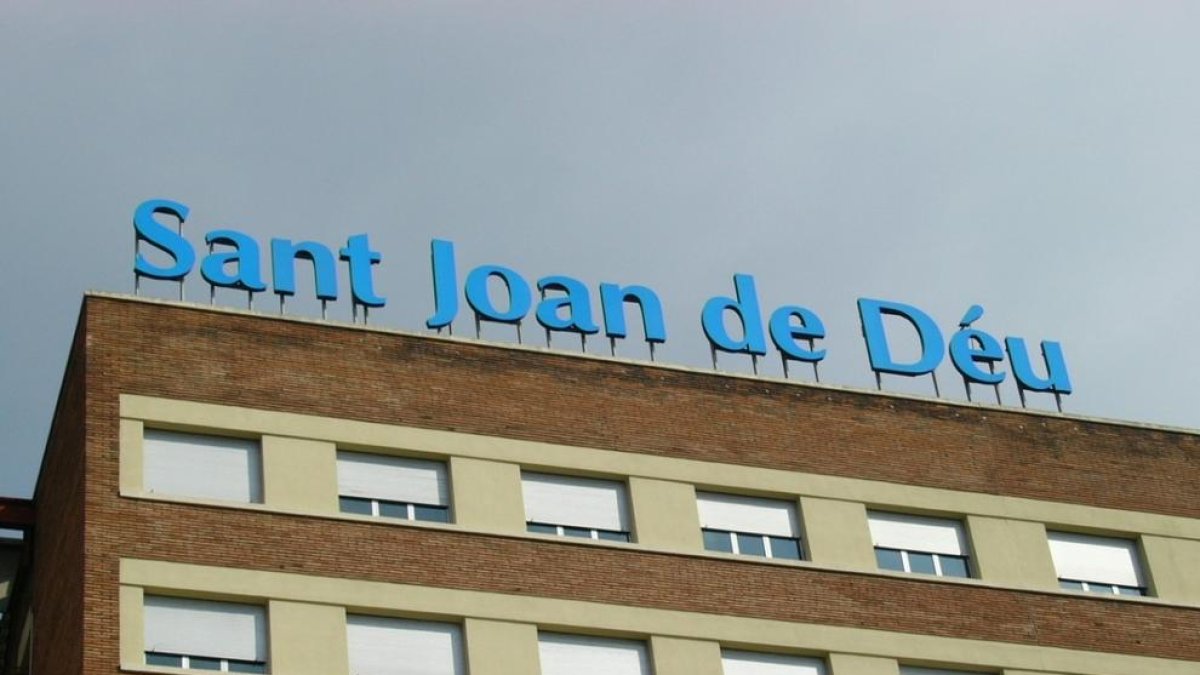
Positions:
(745, 307)
(970, 347)
(784, 333)
(1056, 380)
(162, 238)
(577, 302)
(248, 276)
(613, 299)
(932, 344)
(359, 256)
(519, 298)
(445, 283)
(283, 267)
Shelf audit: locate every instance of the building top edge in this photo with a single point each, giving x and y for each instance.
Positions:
(639, 363)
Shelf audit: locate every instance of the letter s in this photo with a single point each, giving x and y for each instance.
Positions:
(162, 238)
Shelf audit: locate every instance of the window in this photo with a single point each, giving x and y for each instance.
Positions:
(584, 655)
(205, 635)
(575, 507)
(919, 545)
(383, 646)
(753, 663)
(1097, 564)
(911, 670)
(749, 525)
(197, 465)
(393, 487)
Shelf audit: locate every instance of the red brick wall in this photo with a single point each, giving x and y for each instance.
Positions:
(58, 536)
(193, 354)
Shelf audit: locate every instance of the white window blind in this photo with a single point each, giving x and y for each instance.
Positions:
(396, 479)
(917, 533)
(734, 513)
(1107, 560)
(753, 663)
(577, 502)
(384, 646)
(219, 630)
(196, 465)
(584, 655)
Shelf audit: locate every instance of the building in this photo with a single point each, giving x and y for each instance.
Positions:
(248, 493)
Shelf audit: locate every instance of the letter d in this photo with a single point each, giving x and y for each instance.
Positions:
(745, 307)
(932, 343)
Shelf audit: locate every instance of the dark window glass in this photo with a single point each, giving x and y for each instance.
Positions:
(609, 535)
(782, 547)
(542, 528)
(393, 510)
(751, 544)
(581, 532)
(1129, 590)
(715, 540)
(355, 505)
(921, 563)
(954, 566)
(1070, 585)
(436, 514)
(153, 659)
(247, 667)
(889, 559)
(202, 663)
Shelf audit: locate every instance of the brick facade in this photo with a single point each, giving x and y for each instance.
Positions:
(259, 362)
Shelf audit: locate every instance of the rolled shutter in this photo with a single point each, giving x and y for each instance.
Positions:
(196, 465)
(917, 533)
(577, 502)
(1106, 560)
(753, 663)
(735, 513)
(219, 630)
(397, 479)
(584, 655)
(383, 646)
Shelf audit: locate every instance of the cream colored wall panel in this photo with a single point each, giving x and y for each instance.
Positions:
(836, 533)
(131, 433)
(501, 647)
(664, 514)
(375, 437)
(487, 495)
(132, 627)
(307, 639)
(1011, 552)
(1174, 567)
(853, 664)
(299, 474)
(675, 656)
(595, 618)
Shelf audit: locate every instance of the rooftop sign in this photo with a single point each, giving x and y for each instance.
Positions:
(734, 324)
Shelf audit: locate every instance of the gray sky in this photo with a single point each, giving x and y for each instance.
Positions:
(1041, 159)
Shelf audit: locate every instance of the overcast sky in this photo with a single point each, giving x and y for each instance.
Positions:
(1041, 159)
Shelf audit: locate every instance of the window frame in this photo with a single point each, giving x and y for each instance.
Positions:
(377, 504)
(255, 464)
(1097, 587)
(542, 527)
(962, 537)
